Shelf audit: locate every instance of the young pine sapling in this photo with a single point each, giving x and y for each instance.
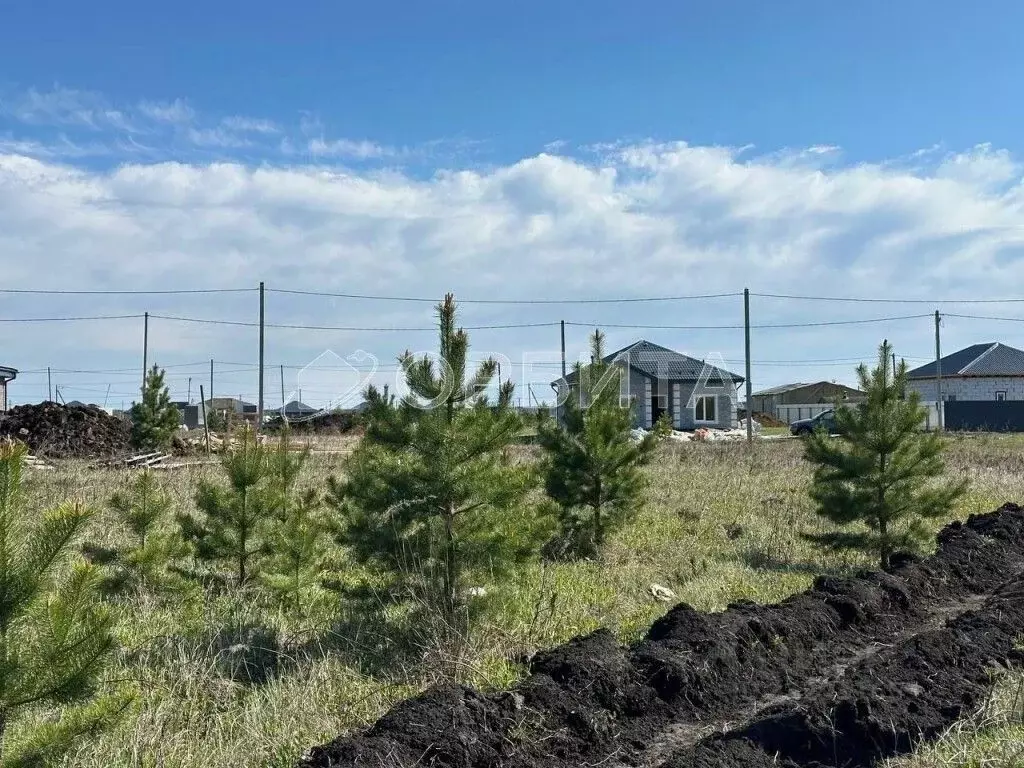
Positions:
(592, 461)
(234, 521)
(883, 471)
(142, 563)
(56, 636)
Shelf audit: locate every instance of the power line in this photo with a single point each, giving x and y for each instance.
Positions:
(67, 319)
(32, 291)
(885, 301)
(343, 327)
(108, 370)
(985, 317)
(506, 301)
(740, 327)
(624, 300)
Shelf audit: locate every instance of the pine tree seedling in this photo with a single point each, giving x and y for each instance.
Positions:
(592, 462)
(431, 493)
(296, 562)
(155, 419)
(883, 471)
(56, 636)
(232, 527)
(143, 509)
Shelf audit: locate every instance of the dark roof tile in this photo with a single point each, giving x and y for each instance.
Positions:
(991, 359)
(659, 362)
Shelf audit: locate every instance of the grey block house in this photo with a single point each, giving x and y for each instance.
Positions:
(981, 372)
(656, 380)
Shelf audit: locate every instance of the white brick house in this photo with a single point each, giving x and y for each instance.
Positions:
(981, 372)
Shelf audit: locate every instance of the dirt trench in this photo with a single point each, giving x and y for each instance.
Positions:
(716, 689)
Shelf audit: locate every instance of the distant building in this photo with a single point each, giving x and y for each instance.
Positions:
(819, 393)
(980, 372)
(191, 415)
(6, 375)
(657, 380)
(297, 410)
(236, 407)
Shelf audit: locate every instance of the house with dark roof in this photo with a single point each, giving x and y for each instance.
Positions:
(981, 372)
(296, 409)
(657, 380)
(818, 393)
(6, 375)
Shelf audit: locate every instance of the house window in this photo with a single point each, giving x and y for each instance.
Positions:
(1000, 396)
(704, 409)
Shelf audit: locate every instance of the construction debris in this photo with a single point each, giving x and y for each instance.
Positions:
(56, 431)
(194, 442)
(34, 462)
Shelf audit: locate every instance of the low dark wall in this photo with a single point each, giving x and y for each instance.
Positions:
(986, 415)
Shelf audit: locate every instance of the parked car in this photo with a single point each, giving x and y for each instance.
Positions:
(825, 420)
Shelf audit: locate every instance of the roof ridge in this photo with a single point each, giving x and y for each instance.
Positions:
(612, 355)
(992, 345)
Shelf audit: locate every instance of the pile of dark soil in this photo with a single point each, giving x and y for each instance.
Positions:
(738, 687)
(67, 431)
(332, 423)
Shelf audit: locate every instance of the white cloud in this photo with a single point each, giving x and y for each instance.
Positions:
(216, 137)
(66, 107)
(250, 125)
(176, 112)
(360, 150)
(647, 219)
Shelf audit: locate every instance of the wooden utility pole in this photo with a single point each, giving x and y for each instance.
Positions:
(938, 373)
(259, 406)
(563, 348)
(746, 344)
(49, 385)
(206, 424)
(145, 350)
(284, 416)
(188, 397)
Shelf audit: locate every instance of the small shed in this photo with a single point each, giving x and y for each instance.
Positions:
(191, 414)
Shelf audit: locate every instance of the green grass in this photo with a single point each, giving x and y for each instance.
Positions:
(723, 523)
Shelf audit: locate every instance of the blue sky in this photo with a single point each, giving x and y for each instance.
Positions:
(520, 150)
(877, 78)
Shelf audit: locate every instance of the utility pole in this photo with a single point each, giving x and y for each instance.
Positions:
(938, 372)
(746, 344)
(259, 405)
(563, 348)
(284, 418)
(145, 350)
(206, 423)
(211, 383)
(188, 397)
(49, 385)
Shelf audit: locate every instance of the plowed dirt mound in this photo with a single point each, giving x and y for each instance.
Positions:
(695, 676)
(67, 431)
